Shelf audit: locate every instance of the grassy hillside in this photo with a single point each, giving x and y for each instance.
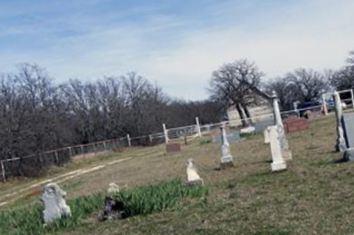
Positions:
(315, 194)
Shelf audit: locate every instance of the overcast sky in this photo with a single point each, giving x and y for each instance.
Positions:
(172, 42)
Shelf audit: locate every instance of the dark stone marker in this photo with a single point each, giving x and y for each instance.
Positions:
(173, 148)
(294, 124)
(348, 128)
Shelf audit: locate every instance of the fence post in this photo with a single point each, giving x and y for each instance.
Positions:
(150, 138)
(94, 148)
(351, 92)
(324, 105)
(129, 141)
(3, 171)
(56, 156)
(198, 127)
(70, 152)
(165, 133)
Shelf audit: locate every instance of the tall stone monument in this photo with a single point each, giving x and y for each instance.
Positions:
(226, 157)
(53, 198)
(279, 123)
(340, 141)
(278, 162)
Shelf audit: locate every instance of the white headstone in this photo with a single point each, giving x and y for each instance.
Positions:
(53, 198)
(113, 189)
(226, 157)
(278, 122)
(278, 162)
(192, 173)
(248, 130)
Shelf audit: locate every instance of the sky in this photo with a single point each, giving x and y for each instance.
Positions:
(176, 44)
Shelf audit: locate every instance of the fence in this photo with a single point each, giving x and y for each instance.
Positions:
(29, 165)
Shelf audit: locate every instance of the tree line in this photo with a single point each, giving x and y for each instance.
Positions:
(36, 114)
(39, 114)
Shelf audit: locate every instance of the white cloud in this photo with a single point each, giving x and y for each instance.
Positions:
(316, 34)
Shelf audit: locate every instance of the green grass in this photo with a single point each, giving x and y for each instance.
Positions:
(138, 201)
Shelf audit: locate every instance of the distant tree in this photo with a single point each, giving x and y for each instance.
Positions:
(236, 84)
(285, 93)
(344, 78)
(306, 84)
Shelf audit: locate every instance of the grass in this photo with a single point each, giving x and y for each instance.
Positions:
(314, 195)
(138, 201)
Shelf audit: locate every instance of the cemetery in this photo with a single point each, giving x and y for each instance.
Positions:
(274, 181)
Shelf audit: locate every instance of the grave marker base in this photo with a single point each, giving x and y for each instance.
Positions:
(194, 183)
(348, 155)
(281, 166)
(287, 155)
(224, 165)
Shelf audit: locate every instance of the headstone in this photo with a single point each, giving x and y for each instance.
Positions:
(279, 123)
(226, 157)
(348, 128)
(193, 177)
(278, 162)
(294, 124)
(173, 147)
(340, 141)
(248, 130)
(54, 202)
(113, 189)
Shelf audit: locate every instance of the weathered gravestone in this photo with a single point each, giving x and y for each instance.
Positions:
(295, 124)
(193, 177)
(348, 128)
(173, 147)
(53, 198)
(226, 157)
(278, 161)
(279, 123)
(340, 141)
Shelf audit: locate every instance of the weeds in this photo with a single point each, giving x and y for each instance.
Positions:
(139, 201)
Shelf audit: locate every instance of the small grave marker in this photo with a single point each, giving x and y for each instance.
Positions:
(193, 177)
(54, 202)
(226, 157)
(294, 124)
(173, 147)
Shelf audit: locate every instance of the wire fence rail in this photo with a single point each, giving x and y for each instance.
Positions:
(32, 164)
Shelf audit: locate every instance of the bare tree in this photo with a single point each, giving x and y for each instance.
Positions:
(344, 78)
(236, 84)
(306, 84)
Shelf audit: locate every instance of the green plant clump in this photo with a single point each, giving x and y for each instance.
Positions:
(141, 200)
(148, 199)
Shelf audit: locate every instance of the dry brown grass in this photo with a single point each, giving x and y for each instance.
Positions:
(314, 196)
